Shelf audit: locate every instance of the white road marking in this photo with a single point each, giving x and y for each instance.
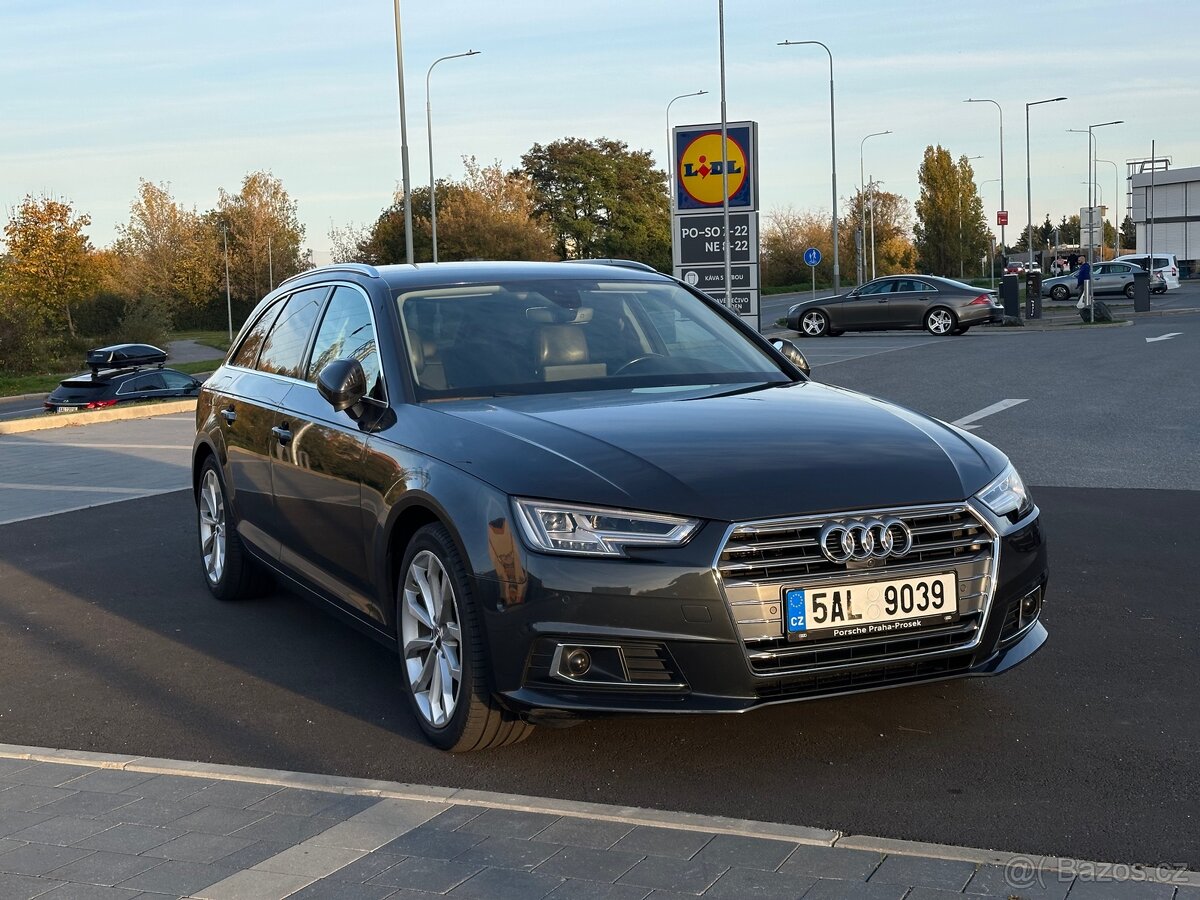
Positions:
(86, 446)
(965, 421)
(83, 506)
(1164, 337)
(86, 488)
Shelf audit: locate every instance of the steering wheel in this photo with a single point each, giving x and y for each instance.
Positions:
(644, 358)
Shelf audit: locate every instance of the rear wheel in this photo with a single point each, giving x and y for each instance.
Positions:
(1060, 292)
(229, 571)
(814, 323)
(940, 321)
(442, 650)
(1129, 290)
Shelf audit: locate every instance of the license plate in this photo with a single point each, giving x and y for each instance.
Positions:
(62, 409)
(870, 609)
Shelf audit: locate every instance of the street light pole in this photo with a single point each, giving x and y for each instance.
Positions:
(671, 146)
(1029, 177)
(408, 235)
(1002, 206)
(1116, 207)
(725, 163)
(228, 296)
(862, 211)
(429, 133)
(1092, 178)
(837, 271)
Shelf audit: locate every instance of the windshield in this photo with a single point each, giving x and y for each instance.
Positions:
(568, 335)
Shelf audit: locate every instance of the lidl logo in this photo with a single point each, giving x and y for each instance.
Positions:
(702, 164)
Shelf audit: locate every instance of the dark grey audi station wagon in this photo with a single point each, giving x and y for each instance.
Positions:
(572, 490)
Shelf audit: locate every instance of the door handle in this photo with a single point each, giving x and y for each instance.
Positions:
(282, 433)
(229, 414)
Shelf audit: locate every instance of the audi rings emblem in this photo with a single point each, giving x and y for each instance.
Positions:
(863, 539)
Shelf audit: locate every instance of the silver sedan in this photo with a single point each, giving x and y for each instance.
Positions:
(1107, 278)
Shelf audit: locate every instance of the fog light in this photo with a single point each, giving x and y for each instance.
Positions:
(578, 662)
(1031, 605)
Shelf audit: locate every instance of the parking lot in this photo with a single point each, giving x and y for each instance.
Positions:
(111, 641)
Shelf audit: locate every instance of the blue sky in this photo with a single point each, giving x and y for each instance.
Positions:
(94, 95)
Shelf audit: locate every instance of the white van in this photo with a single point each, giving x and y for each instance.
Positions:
(1164, 263)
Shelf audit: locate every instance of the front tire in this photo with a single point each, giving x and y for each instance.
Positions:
(940, 321)
(1060, 292)
(442, 651)
(814, 323)
(229, 570)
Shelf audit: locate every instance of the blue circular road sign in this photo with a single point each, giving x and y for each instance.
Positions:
(812, 256)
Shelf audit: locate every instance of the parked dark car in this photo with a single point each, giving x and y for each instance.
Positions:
(563, 491)
(939, 305)
(123, 373)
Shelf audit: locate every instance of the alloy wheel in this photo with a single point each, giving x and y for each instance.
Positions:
(212, 526)
(940, 321)
(430, 638)
(813, 324)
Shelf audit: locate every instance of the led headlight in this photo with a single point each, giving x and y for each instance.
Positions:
(1006, 494)
(596, 531)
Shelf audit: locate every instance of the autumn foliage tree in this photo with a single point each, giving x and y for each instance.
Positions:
(265, 236)
(167, 255)
(891, 215)
(50, 267)
(951, 232)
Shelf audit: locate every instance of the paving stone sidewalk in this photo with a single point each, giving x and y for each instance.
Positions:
(78, 831)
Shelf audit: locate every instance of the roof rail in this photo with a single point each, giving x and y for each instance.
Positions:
(621, 263)
(357, 268)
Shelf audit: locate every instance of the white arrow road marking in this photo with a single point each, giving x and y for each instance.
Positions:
(965, 421)
(1164, 337)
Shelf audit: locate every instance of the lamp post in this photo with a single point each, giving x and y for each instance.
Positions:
(429, 132)
(961, 263)
(1116, 207)
(1002, 206)
(228, 296)
(671, 146)
(408, 235)
(862, 213)
(725, 163)
(873, 182)
(991, 236)
(1029, 176)
(1092, 176)
(837, 271)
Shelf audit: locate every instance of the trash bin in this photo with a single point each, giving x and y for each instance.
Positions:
(1033, 295)
(1010, 296)
(1141, 291)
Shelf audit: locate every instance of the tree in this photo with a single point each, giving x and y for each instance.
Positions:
(951, 231)
(785, 237)
(490, 215)
(265, 236)
(601, 199)
(50, 265)
(166, 255)
(894, 248)
(1128, 235)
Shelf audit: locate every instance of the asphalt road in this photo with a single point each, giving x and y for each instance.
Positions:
(109, 641)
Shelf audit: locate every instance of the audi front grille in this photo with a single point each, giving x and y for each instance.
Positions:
(760, 559)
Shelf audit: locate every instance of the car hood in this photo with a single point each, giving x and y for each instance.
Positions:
(783, 450)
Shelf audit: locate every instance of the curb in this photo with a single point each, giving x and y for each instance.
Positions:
(115, 414)
(630, 815)
(40, 395)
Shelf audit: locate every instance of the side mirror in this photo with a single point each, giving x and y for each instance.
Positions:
(792, 353)
(342, 383)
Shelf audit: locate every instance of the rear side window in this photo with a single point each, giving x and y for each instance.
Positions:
(283, 350)
(347, 332)
(247, 352)
(152, 381)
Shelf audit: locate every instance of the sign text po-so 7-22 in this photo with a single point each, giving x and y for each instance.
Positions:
(697, 220)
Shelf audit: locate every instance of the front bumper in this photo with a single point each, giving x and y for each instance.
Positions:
(680, 650)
